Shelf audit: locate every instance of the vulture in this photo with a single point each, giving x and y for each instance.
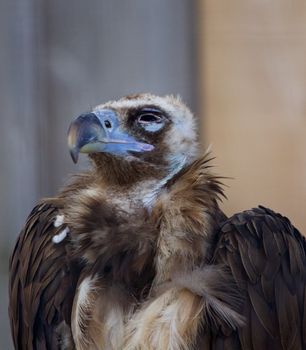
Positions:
(136, 254)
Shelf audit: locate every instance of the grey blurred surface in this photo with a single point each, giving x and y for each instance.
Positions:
(58, 59)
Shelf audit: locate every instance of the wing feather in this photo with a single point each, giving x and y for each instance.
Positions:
(42, 284)
(266, 256)
(287, 313)
(262, 309)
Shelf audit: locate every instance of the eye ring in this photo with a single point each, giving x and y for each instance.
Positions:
(148, 118)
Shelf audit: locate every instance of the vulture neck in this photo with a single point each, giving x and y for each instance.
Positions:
(123, 174)
(137, 181)
(175, 167)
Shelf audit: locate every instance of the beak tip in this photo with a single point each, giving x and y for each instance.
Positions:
(74, 155)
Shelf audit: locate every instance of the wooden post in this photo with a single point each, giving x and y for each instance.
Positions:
(253, 84)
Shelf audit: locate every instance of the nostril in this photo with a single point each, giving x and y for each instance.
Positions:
(107, 124)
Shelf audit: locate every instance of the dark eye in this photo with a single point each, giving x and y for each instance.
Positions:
(146, 118)
(107, 124)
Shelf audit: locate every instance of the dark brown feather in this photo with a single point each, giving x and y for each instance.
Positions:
(42, 284)
(271, 275)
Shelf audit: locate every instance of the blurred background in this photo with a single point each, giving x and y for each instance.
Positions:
(239, 64)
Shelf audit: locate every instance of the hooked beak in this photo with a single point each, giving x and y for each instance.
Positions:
(100, 132)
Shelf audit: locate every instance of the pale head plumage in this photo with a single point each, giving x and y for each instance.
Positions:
(175, 142)
(182, 136)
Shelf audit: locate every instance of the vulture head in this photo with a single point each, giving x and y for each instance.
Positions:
(136, 137)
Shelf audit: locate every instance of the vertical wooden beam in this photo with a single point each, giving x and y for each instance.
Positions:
(253, 79)
(20, 185)
(18, 132)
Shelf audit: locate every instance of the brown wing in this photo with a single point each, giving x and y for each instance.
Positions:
(42, 285)
(266, 256)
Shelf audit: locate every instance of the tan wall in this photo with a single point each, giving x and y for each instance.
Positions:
(253, 99)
